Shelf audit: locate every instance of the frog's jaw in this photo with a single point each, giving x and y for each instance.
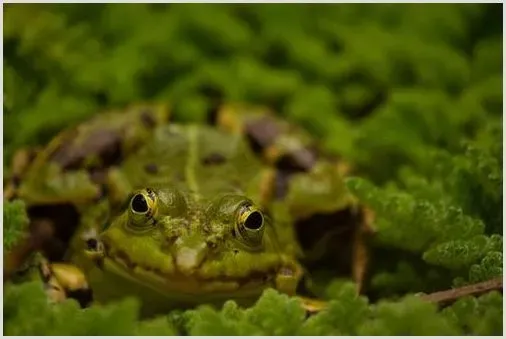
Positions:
(205, 282)
(188, 289)
(110, 285)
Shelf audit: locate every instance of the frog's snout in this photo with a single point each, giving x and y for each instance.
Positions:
(189, 258)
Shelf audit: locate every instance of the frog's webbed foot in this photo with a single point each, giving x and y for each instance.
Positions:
(63, 281)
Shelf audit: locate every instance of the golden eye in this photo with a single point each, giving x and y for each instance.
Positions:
(142, 209)
(250, 225)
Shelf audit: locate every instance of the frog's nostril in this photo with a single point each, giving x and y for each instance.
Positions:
(92, 244)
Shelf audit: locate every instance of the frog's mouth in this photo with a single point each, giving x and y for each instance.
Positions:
(175, 284)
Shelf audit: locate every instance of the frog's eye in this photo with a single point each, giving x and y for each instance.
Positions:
(139, 204)
(142, 209)
(250, 225)
(253, 221)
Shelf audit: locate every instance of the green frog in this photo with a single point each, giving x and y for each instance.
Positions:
(183, 214)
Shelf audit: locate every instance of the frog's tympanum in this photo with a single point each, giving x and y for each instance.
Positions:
(179, 215)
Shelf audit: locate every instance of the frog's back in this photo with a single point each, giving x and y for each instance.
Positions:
(198, 159)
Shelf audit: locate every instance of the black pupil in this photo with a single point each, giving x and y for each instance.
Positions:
(139, 204)
(254, 221)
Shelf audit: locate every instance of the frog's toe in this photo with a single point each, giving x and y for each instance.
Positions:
(312, 305)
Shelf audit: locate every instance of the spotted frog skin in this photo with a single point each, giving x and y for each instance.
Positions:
(179, 215)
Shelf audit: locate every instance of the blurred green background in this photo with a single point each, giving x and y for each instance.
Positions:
(410, 94)
(378, 82)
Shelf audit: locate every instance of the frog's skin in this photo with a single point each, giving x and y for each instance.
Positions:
(191, 214)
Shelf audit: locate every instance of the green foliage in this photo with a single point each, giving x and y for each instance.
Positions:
(345, 314)
(440, 232)
(407, 222)
(408, 317)
(28, 312)
(471, 180)
(262, 319)
(15, 223)
(409, 94)
(407, 277)
(479, 316)
(489, 267)
(455, 254)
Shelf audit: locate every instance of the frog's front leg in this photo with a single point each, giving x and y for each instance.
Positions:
(320, 198)
(96, 216)
(64, 280)
(288, 279)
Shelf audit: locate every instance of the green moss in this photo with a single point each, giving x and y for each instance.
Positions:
(345, 314)
(27, 312)
(15, 223)
(407, 317)
(407, 222)
(479, 316)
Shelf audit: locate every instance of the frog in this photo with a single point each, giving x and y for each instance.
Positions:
(183, 214)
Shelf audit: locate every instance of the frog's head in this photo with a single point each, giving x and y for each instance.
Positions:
(177, 244)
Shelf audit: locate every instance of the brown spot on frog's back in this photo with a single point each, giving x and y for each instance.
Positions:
(104, 143)
(301, 160)
(281, 183)
(98, 175)
(214, 159)
(262, 132)
(151, 168)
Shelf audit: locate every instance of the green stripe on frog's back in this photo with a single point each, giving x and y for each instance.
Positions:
(194, 158)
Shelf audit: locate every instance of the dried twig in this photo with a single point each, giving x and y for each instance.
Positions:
(442, 298)
(449, 296)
